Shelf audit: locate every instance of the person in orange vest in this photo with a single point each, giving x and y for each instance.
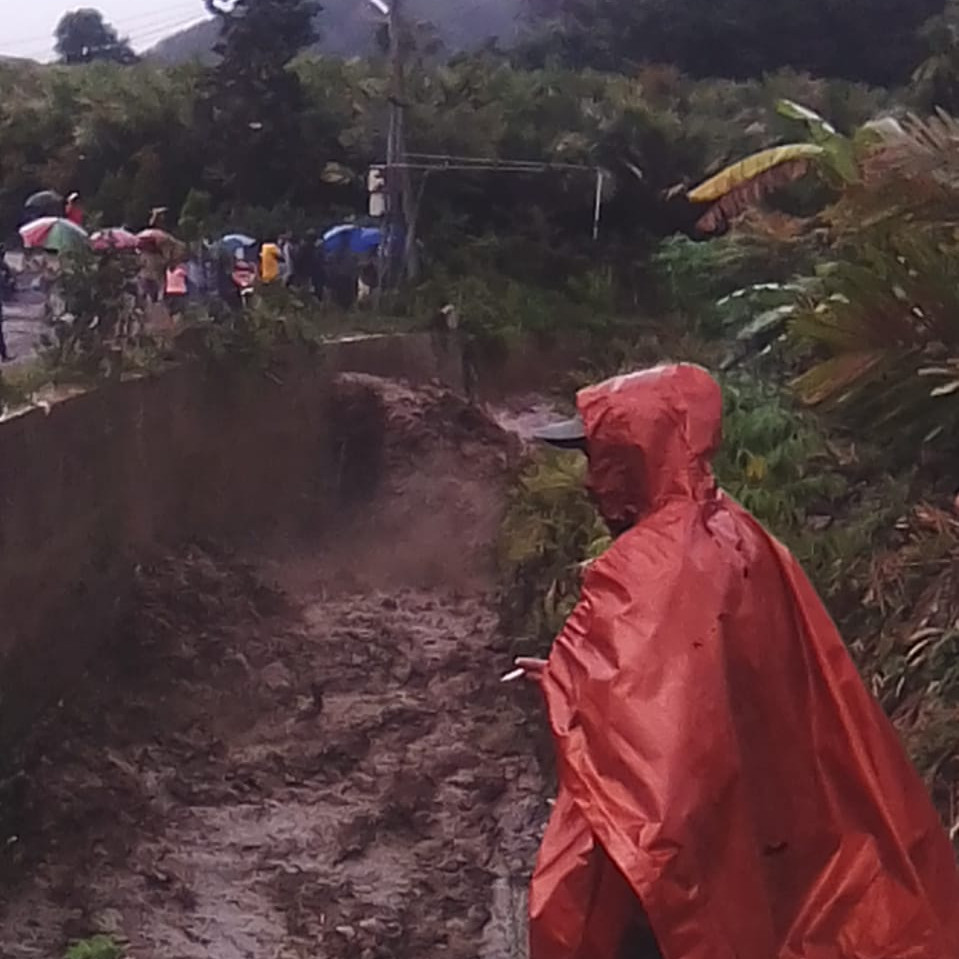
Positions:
(177, 288)
(74, 209)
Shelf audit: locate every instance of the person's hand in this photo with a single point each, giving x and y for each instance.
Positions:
(534, 669)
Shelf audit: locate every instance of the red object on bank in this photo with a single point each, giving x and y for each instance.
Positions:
(721, 762)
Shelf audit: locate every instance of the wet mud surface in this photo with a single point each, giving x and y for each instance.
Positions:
(324, 767)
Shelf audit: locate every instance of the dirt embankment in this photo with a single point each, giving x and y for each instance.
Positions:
(327, 766)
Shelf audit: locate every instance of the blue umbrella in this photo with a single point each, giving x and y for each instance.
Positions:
(237, 241)
(336, 231)
(355, 239)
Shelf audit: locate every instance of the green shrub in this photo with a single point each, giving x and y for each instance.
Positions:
(549, 530)
(775, 460)
(95, 317)
(693, 278)
(830, 506)
(97, 947)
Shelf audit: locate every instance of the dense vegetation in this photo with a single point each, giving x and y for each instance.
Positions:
(705, 38)
(740, 38)
(827, 290)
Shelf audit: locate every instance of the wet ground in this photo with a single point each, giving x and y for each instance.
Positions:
(24, 324)
(324, 766)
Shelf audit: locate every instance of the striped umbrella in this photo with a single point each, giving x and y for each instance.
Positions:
(53, 233)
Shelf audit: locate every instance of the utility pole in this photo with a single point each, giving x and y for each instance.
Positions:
(400, 209)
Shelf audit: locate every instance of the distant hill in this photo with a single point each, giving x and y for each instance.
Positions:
(193, 43)
(348, 27)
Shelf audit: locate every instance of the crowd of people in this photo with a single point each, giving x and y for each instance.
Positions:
(232, 271)
(220, 274)
(229, 269)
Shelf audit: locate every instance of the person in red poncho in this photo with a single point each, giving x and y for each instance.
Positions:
(728, 787)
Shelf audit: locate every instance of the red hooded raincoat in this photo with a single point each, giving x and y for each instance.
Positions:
(721, 761)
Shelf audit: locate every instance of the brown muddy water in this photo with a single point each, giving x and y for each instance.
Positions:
(301, 750)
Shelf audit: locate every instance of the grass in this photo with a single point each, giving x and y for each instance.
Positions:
(20, 383)
(97, 947)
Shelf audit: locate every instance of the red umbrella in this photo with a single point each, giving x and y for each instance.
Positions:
(115, 238)
(157, 241)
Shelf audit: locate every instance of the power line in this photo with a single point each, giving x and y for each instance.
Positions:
(146, 37)
(442, 161)
(142, 20)
(158, 33)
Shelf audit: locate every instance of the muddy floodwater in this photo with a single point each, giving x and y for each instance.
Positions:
(301, 751)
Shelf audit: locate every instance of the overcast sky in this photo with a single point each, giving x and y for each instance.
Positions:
(26, 27)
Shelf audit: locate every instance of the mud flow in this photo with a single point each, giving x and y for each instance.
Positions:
(306, 753)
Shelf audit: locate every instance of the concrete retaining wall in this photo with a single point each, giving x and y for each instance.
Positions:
(113, 476)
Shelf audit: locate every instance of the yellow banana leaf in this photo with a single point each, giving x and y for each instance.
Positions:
(740, 173)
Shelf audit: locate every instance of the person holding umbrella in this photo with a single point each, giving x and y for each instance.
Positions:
(54, 235)
(74, 210)
(158, 218)
(48, 238)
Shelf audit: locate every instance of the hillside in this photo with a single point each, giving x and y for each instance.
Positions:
(348, 27)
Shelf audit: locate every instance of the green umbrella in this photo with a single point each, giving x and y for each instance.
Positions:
(55, 234)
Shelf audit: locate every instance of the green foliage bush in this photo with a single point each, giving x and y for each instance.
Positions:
(549, 531)
(131, 138)
(96, 321)
(775, 459)
(693, 277)
(276, 318)
(97, 947)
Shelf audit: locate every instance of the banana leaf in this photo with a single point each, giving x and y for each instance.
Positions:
(752, 167)
(820, 129)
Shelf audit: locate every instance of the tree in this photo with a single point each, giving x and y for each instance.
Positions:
(251, 99)
(738, 38)
(936, 81)
(83, 36)
(260, 37)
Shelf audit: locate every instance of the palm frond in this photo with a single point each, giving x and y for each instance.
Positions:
(909, 172)
(925, 147)
(883, 332)
(832, 378)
